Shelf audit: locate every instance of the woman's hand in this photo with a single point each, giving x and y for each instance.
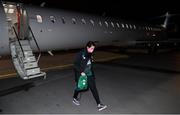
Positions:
(83, 74)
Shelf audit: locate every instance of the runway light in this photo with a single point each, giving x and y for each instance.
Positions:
(157, 44)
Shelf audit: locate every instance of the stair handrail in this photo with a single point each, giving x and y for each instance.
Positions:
(35, 43)
(18, 39)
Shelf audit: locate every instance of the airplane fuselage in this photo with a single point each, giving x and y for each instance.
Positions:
(57, 29)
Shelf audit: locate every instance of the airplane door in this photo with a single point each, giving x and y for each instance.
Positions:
(4, 39)
(22, 22)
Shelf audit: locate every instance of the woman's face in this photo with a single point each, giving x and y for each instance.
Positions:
(90, 49)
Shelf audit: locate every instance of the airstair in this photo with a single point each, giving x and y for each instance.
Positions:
(24, 48)
(23, 58)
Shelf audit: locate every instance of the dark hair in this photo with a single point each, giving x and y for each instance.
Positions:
(90, 43)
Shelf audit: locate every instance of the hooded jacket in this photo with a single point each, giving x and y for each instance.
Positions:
(81, 63)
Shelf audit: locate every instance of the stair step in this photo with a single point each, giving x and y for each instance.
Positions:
(25, 48)
(28, 53)
(33, 71)
(29, 59)
(35, 76)
(27, 67)
(30, 65)
(23, 42)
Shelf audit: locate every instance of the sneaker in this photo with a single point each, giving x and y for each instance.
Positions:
(75, 101)
(101, 107)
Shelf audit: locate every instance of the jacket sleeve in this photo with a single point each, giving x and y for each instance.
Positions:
(78, 63)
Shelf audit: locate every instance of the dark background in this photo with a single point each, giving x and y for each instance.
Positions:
(135, 10)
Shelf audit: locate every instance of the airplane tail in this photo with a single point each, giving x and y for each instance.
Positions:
(167, 16)
(166, 20)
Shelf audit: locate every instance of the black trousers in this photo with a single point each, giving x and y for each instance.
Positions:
(92, 86)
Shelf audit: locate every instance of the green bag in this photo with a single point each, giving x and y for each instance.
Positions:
(82, 83)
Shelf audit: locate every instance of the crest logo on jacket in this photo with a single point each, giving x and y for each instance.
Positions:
(83, 57)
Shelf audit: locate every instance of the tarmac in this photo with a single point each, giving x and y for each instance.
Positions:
(131, 83)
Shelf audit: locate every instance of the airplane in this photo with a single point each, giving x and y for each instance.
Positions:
(26, 30)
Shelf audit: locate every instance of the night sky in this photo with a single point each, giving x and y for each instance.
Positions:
(136, 9)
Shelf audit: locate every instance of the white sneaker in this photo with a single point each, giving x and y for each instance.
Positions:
(75, 101)
(101, 107)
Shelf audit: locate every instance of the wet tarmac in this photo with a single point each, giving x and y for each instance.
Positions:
(140, 83)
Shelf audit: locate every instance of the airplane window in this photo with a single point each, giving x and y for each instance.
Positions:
(73, 20)
(106, 23)
(130, 26)
(63, 20)
(134, 26)
(112, 24)
(127, 26)
(39, 18)
(92, 22)
(100, 23)
(122, 25)
(83, 21)
(52, 18)
(118, 25)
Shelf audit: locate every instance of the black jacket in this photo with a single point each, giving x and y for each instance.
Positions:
(80, 63)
